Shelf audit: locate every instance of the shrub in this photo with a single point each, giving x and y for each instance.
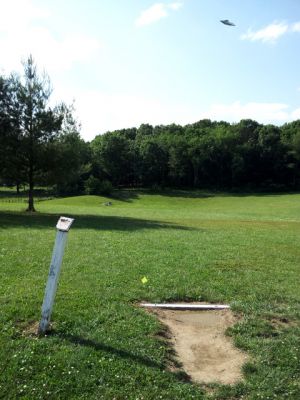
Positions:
(96, 186)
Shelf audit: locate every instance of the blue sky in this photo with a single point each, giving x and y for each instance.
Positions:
(142, 61)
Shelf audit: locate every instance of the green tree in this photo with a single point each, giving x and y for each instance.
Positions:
(11, 162)
(154, 162)
(180, 166)
(67, 158)
(274, 156)
(246, 160)
(39, 124)
(112, 158)
(145, 130)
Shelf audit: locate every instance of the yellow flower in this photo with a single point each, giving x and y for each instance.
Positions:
(144, 280)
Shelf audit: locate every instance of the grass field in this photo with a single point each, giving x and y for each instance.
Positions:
(241, 250)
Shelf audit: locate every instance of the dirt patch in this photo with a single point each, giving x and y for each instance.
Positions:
(205, 352)
(281, 322)
(30, 329)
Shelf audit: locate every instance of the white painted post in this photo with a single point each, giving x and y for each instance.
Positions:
(63, 227)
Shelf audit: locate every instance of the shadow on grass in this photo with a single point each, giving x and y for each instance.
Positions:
(96, 222)
(128, 195)
(24, 193)
(4, 193)
(80, 341)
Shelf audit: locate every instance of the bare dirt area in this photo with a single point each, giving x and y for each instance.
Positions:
(207, 355)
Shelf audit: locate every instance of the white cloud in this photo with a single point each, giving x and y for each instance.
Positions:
(272, 32)
(24, 33)
(176, 5)
(268, 34)
(156, 12)
(295, 27)
(295, 114)
(18, 14)
(48, 52)
(261, 112)
(100, 112)
(152, 14)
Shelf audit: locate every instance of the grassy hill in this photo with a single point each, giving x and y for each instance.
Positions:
(243, 250)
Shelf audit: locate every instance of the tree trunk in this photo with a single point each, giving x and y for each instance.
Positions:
(196, 175)
(30, 192)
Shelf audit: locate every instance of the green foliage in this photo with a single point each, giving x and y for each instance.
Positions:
(70, 163)
(247, 155)
(40, 144)
(11, 154)
(179, 163)
(154, 161)
(96, 186)
(112, 157)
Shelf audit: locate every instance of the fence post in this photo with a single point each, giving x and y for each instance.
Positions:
(63, 226)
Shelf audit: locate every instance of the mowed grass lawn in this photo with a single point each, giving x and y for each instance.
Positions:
(241, 250)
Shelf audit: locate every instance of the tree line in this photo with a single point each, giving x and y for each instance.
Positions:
(205, 154)
(41, 145)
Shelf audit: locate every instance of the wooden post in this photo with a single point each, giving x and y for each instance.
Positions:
(63, 227)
